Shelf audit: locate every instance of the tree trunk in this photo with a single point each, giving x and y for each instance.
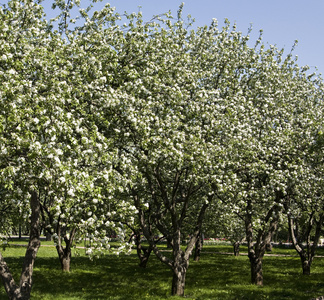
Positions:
(198, 247)
(236, 247)
(256, 270)
(269, 247)
(306, 265)
(23, 290)
(145, 257)
(180, 263)
(143, 253)
(66, 262)
(257, 249)
(254, 251)
(48, 237)
(65, 257)
(306, 255)
(179, 279)
(12, 289)
(65, 253)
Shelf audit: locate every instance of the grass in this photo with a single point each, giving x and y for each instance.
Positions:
(215, 276)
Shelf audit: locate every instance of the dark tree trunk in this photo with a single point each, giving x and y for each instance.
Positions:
(48, 237)
(143, 253)
(236, 247)
(257, 249)
(145, 257)
(306, 265)
(64, 257)
(65, 253)
(23, 290)
(180, 264)
(198, 247)
(255, 253)
(12, 289)
(179, 278)
(256, 270)
(306, 254)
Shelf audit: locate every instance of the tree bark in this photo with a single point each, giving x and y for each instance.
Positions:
(64, 254)
(306, 265)
(179, 266)
(198, 247)
(257, 249)
(143, 253)
(23, 290)
(145, 257)
(12, 289)
(179, 278)
(306, 255)
(64, 257)
(256, 270)
(236, 247)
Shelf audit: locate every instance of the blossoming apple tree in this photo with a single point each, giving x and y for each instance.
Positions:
(55, 165)
(200, 114)
(304, 206)
(269, 119)
(150, 120)
(164, 117)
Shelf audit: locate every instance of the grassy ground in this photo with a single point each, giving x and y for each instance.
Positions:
(215, 276)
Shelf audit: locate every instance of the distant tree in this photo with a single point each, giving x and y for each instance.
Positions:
(305, 229)
(221, 222)
(268, 119)
(304, 207)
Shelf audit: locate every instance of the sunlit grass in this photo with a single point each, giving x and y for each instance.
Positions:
(215, 276)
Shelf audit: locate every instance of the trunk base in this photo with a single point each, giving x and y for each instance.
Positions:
(65, 258)
(256, 271)
(144, 257)
(66, 264)
(306, 268)
(178, 283)
(236, 247)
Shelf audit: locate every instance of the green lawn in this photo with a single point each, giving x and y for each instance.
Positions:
(215, 276)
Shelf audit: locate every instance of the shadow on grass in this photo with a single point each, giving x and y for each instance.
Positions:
(228, 277)
(109, 277)
(215, 276)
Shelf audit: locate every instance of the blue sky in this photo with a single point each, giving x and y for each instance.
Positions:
(282, 22)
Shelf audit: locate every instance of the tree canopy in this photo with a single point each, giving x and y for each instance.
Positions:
(104, 123)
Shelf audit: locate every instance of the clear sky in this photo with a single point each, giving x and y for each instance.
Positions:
(282, 21)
